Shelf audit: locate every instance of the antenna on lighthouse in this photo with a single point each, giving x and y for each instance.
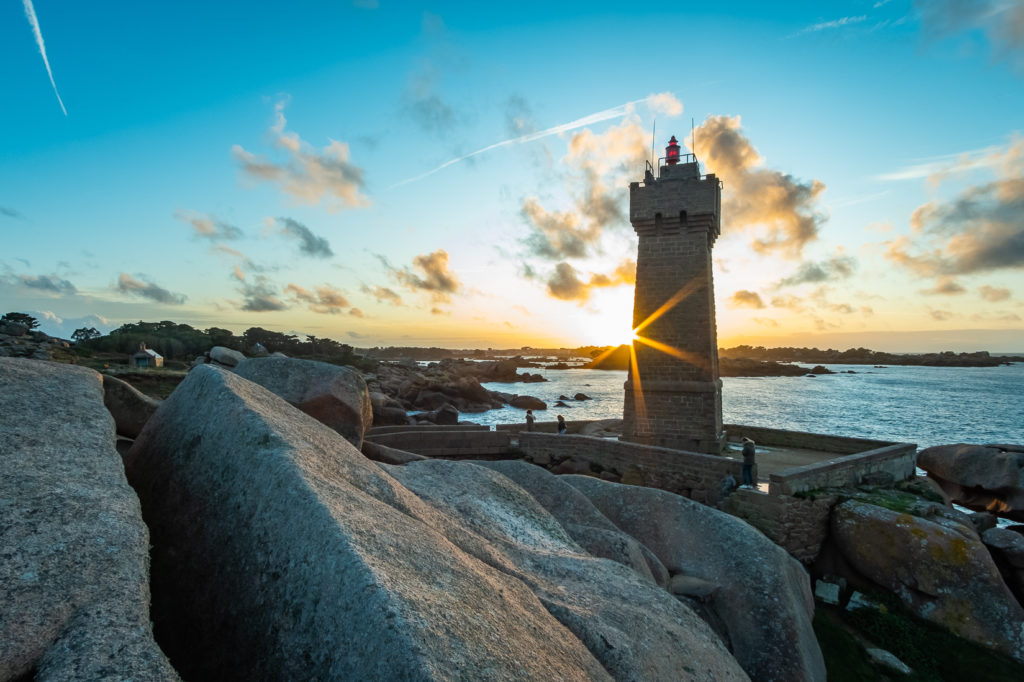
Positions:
(654, 128)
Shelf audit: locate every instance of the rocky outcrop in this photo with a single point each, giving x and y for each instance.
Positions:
(938, 567)
(130, 408)
(335, 396)
(280, 552)
(226, 356)
(528, 402)
(764, 603)
(981, 477)
(74, 589)
(634, 628)
(426, 389)
(504, 371)
(17, 341)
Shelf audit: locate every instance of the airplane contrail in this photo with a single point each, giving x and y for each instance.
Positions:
(614, 112)
(30, 12)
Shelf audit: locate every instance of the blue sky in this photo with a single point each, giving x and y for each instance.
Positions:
(255, 164)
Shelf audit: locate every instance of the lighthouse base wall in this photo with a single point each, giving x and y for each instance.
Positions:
(683, 415)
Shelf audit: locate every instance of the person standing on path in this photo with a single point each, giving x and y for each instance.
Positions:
(529, 420)
(561, 424)
(748, 462)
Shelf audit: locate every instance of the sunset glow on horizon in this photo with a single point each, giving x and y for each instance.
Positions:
(458, 177)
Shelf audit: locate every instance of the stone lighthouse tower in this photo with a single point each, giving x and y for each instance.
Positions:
(673, 393)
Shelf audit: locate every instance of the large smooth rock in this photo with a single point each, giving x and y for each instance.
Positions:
(1008, 543)
(336, 396)
(938, 567)
(764, 601)
(226, 356)
(1007, 549)
(979, 476)
(585, 524)
(74, 581)
(280, 552)
(637, 630)
(130, 408)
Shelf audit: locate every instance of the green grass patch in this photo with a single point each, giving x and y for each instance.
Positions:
(845, 658)
(934, 653)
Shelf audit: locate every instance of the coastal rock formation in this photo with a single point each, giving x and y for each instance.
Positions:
(495, 370)
(335, 396)
(74, 590)
(129, 407)
(981, 477)
(528, 402)
(938, 567)
(634, 628)
(309, 562)
(764, 603)
(449, 382)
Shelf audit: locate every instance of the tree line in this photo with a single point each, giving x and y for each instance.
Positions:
(179, 341)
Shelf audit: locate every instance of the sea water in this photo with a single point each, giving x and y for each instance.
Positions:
(909, 404)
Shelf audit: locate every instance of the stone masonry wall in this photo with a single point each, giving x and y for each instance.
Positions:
(799, 526)
(425, 428)
(841, 445)
(675, 419)
(691, 474)
(544, 427)
(437, 443)
(897, 461)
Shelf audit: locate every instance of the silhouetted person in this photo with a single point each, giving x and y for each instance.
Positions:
(748, 462)
(529, 420)
(561, 424)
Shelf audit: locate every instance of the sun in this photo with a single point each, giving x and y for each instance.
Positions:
(609, 321)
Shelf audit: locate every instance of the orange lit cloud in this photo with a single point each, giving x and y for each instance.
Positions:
(127, 284)
(324, 299)
(994, 294)
(208, 227)
(596, 167)
(383, 294)
(980, 230)
(945, 286)
(306, 174)
(778, 209)
(430, 273)
(745, 299)
(566, 284)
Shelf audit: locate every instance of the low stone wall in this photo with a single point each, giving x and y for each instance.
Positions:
(425, 428)
(799, 526)
(897, 460)
(437, 442)
(693, 475)
(841, 445)
(543, 427)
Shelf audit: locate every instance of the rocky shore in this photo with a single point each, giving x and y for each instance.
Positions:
(279, 550)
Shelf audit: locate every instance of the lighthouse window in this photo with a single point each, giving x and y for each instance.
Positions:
(682, 217)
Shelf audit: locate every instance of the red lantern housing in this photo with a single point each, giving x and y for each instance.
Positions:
(672, 152)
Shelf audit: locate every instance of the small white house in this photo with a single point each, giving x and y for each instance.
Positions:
(145, 357)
